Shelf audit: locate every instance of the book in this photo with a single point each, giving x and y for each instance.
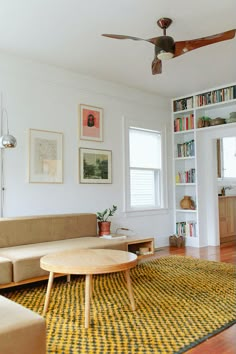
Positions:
(114, 237)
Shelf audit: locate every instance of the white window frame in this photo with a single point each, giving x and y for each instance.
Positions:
(152, 126)
(223, 178)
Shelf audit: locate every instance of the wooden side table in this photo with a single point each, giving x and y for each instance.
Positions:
(88, 262)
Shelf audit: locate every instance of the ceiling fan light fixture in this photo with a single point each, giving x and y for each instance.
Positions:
(162, 55)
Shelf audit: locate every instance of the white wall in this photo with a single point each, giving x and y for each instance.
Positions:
(43, 97)
(207, 181)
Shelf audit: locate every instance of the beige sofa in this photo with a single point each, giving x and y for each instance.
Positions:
(22, 331)
(24, 240)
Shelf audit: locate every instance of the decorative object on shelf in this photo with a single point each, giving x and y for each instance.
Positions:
(187, 203)
(103, 224)
(204, 122)
(166, 48)
(223, 189)
(232, 118)
(95, 166)
(91, 123)
(217, 121)
(45, 156)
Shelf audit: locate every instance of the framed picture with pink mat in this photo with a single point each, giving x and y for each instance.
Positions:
(90, 123)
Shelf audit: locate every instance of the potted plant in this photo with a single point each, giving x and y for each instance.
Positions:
(104, 225)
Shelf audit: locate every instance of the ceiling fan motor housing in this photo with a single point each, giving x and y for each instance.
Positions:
(165, 43)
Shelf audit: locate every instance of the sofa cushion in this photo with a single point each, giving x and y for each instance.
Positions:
(34, 229)
(26, 258)
(6, 270)
(22, 331)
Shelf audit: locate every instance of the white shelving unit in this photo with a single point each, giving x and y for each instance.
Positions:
(191, 167)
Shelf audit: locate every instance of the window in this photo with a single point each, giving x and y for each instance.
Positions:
(144, 169)
(226, 158)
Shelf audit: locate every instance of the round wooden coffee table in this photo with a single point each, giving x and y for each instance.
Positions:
(88, 262)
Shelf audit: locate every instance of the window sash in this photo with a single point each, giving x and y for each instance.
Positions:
(144, 188)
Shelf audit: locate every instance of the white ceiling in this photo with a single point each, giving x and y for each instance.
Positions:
(67, 33)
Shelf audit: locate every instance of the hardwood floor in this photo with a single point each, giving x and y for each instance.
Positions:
(224, 342)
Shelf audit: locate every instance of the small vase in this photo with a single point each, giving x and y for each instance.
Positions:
(187, 202)
(104, 228)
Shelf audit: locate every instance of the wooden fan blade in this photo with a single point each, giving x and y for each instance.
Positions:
(120, 36)
(183, 47)
(156, 66)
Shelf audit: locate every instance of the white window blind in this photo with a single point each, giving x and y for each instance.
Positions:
(145, 148)
(144, 168)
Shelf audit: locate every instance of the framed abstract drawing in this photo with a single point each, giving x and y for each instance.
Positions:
(94, 166)
(45, 156)
(90, 123)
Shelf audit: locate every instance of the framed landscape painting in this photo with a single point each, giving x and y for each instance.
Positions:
(95, 166)
(45, 156)
(90, 123)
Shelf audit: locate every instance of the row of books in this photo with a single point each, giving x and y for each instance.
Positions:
(186, 228)
(184, 123)
(186, 149)
(186, 176)
(184, 103)
(221, 95)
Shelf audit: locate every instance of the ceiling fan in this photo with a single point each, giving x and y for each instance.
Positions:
(167, 48)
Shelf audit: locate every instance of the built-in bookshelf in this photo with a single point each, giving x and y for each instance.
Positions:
(186, 228)
(186, 113)
(184, 122)
(186, 149)
(216, 96)
(183, 104)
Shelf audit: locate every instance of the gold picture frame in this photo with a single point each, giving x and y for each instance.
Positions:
(95, 166)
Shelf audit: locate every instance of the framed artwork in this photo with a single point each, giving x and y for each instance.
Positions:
(90, 123)
(45, 156)
(95, 166)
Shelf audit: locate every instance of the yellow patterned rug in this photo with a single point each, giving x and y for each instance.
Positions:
(181, 301)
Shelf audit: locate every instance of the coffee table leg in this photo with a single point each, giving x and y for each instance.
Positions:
(88, 294)
(49, 287)
(130, 291)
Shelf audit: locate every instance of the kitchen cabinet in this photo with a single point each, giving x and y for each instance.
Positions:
(227, 218)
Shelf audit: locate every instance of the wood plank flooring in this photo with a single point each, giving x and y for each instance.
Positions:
(224, 342)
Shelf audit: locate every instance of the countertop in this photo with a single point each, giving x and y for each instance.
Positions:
(226, 196)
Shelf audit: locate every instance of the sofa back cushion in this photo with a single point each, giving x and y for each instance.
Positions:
(34, 229)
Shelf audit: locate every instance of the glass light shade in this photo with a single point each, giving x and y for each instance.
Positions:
(165, 55)
(7, 141)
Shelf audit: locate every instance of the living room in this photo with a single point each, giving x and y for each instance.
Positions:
(44, 49)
